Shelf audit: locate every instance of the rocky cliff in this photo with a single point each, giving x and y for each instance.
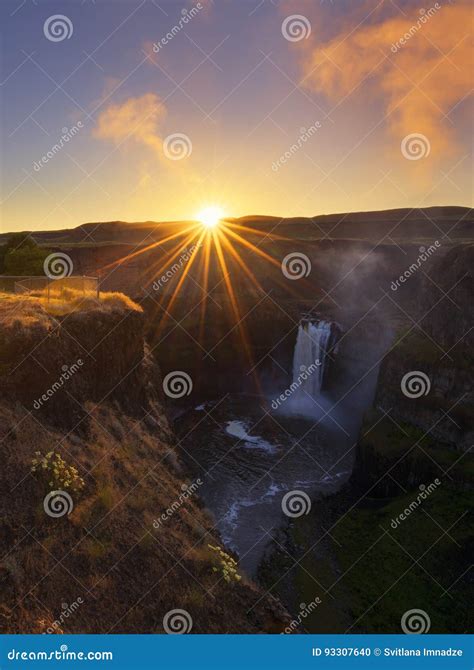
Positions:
(399, 535)
(425, 388)
(123, 540)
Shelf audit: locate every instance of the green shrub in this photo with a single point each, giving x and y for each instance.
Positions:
(22, 256)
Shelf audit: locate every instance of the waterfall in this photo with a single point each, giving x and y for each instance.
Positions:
(313, 342)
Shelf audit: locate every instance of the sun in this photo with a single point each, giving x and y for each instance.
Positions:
(210, 216)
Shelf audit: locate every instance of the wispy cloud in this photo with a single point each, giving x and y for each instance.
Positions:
(137, 120)
(418, 83)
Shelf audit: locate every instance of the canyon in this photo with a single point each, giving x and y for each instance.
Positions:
(348, 437)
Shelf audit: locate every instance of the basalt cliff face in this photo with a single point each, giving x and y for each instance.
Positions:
(425, 387)
(88, 355)
(423, 414)
(106, 565)
(407, 507)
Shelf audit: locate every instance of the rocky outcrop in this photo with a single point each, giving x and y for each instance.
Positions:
(130, 541)
(447, 300)
(53, 365)
(408, 502)
(426, 378)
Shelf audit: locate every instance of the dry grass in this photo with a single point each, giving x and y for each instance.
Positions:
(108, 301)
(23, 310)
(129, 570)
(36, 308)
(121, 557)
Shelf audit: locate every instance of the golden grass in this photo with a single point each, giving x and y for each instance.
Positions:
(23, 310)
(109, 538)
(34, 308)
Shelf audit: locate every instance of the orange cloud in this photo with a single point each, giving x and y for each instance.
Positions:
(419, 66)
(137, 119)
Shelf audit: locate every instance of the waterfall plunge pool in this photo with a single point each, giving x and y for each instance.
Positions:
(248, 460)
(250, 455)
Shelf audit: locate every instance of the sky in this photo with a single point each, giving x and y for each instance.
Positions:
(285, 108)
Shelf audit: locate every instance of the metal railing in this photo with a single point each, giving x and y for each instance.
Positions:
(62, 289)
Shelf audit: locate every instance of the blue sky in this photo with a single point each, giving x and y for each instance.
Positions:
(243, 94)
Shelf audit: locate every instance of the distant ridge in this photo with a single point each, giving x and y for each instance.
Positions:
(431, 222)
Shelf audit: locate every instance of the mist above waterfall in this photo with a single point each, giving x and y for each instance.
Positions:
(333, 376)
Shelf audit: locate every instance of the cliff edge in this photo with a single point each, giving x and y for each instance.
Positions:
(103, 531)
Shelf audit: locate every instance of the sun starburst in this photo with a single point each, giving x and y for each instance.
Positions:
(217, 245)
(210, 217)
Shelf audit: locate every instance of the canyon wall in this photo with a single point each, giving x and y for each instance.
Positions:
(106, 419)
